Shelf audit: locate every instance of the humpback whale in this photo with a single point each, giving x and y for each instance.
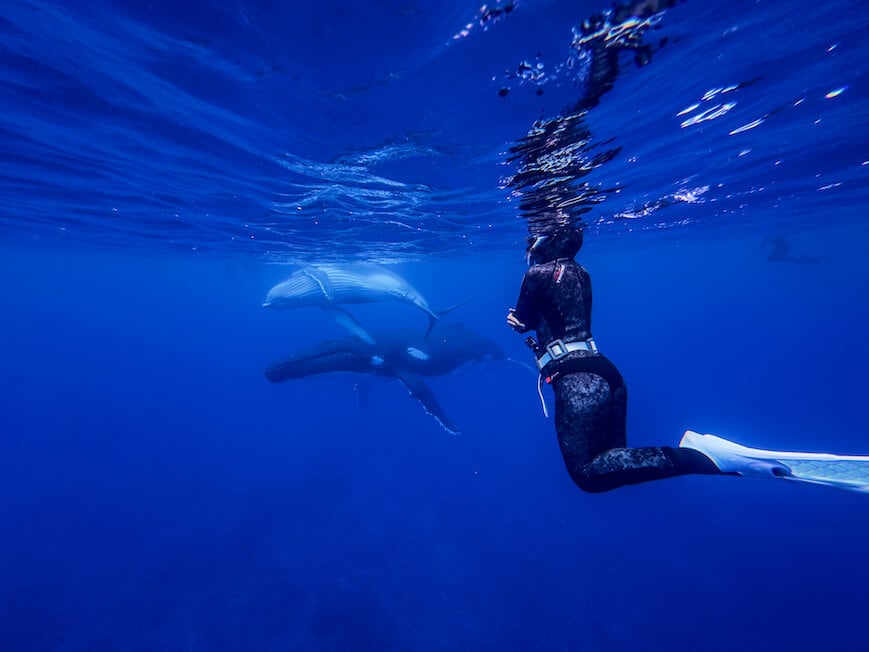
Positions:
(447, 348)
(327, 286)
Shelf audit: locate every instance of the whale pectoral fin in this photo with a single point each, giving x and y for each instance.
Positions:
(321, 278)
(422, 393)
(350, 323)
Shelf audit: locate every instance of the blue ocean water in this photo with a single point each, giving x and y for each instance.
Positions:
(164, 164)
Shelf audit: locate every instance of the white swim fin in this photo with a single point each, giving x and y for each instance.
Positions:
(849, 472)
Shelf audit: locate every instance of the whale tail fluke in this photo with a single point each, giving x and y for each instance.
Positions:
(435, 317)
(446, 311)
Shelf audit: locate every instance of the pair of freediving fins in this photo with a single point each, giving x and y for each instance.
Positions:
(849, 472)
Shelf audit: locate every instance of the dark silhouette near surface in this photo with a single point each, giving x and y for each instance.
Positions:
(780, 252)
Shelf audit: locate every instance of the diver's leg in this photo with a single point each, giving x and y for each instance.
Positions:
(618, 467)
(591, 432)
(582, 420)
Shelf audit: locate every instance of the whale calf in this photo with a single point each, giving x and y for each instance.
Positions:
(328, 286)
(447, 348)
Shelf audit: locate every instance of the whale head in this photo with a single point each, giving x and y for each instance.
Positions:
(297, 291)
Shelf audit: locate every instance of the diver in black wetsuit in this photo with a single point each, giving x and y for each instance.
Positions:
(590, 395)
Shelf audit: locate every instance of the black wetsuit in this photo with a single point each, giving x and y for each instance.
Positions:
(590, 395)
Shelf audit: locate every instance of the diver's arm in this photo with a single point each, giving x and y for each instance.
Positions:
(514, 323)
(525, 316)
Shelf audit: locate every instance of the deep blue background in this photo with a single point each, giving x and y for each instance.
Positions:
(156, 492)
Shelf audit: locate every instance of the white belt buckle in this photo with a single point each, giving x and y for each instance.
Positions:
(557, 349)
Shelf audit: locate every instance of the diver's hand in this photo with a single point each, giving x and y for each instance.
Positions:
(513, 322)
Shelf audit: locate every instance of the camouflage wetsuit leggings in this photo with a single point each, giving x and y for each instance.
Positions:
(590, 423)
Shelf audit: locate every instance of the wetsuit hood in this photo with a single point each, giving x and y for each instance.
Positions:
(562, 242)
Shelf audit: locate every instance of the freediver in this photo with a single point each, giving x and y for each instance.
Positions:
(555, 300)
(591, 396)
